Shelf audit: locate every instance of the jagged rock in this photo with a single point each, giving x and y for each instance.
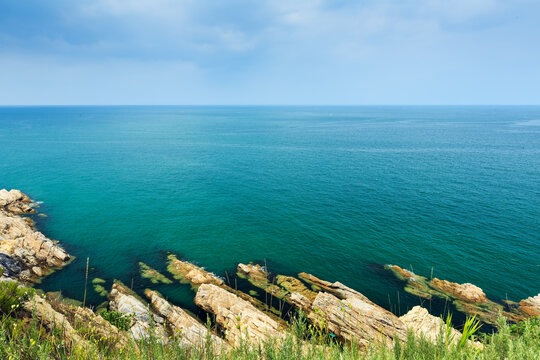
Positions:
(11, 267)
(337, 289)
(237, 317)
(53, 320)
(153, 275)
(191, 273)
(15, 202)
(21, 242)
(91, 324)
(143, 320)
(283, 287)
(354, 319)
(467, 298)
(467, 292)
(531, 305)
(185, 328)
(422, 323)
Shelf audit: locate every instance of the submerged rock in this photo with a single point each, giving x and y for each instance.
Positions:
(153, 275)
(467, 297)
(183, 326)
(191, 273)
(21, 245)
(283, 287)
(237, 317)
(99, 287)
(143, 320)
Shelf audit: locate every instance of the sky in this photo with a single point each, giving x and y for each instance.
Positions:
(264, 52)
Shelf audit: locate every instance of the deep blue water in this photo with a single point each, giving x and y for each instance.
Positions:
(334, 191)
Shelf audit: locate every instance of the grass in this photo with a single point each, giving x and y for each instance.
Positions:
(22, 336)
(28, 339)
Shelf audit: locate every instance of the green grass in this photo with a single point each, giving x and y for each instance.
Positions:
(28, 339)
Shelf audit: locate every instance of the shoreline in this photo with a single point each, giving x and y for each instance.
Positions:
(28, 256)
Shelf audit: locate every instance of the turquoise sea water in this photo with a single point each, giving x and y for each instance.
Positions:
(334, 191)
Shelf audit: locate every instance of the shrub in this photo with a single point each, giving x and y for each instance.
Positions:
(121, 321)
(12, 295)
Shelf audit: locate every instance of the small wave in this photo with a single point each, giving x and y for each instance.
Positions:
(529, 123)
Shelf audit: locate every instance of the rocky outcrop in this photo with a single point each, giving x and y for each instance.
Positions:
(22, 247)
(423, 324)
(183, 326)
(143, 321)
(283, 287)
(351, 316)
(191, 273)
(466, 292)
(53, 320)
(15, 202)
(467, 298)
(530, 306)
(85, 321)
(237, 317)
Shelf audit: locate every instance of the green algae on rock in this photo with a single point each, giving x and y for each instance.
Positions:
(153, 275)
(97, 283)
(190, 273)
(283, 287)
(467, 298)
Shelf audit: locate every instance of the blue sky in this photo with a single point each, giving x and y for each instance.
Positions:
(269, 52)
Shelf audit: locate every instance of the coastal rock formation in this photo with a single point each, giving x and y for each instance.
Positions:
(191, 273)
(237, 317)
(93, 324)
(531, 306)
(53, 320)
(337, 289)
(186, 328)
(467, 298)
(21, 246)
(422, 323)
(466, 292)
(15, 202)
(348, 314)
(143, 320)
(283, 287)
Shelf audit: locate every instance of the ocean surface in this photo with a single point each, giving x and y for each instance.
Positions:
(333, 191)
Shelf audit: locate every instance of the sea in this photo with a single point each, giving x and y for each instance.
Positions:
(336, 191)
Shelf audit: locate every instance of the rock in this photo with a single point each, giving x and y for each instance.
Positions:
(191, 273)
(15, 202)
(22, 243)
(153, 275)
(143, 321)
(91, 324)
(11, 266)
(467, 292)
(530, 306)
(337, 289)
(356, 320)
(281, 286)
(186, 328)
(237, 317)
(422, 323)
(53, 320)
